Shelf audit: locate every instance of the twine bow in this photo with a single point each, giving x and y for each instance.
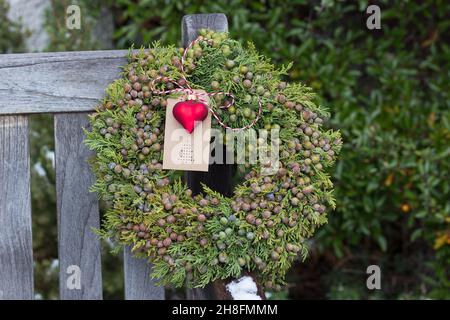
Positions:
(203, 97)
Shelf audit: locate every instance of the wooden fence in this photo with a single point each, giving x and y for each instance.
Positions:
(69, 86)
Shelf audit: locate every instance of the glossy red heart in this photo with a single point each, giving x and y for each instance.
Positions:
(189, 113)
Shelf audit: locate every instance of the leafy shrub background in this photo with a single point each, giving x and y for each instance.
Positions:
(11, 33)
(388, 92)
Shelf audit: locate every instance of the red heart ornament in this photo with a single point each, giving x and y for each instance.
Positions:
(188, 112)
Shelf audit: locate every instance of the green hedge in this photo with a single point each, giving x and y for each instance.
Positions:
(12, 35)
(388, 93)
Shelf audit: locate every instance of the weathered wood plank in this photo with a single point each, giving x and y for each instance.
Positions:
(77, 211)
(138, 284)
(56, 82)
(72, 81)
(218, 177)
(16, 252)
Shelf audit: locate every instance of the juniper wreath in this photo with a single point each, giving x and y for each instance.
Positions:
(196, 239)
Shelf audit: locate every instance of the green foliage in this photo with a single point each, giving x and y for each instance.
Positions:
(43, 202)
(12, 35)
(388, 92)
(390, 97)
(64, 39)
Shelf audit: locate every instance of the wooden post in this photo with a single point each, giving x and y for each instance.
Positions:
(16, 252)
(138, 283)
(78, 246)
(219, 176)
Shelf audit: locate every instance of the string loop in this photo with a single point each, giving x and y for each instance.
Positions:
(203, 97)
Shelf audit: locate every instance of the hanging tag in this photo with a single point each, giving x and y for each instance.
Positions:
(183, 150)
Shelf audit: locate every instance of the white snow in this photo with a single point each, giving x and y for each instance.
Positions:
(243, 289)
(50, 155)
(39, 169)
(55, 264)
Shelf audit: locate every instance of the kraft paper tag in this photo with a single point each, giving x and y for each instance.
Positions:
(183, 150)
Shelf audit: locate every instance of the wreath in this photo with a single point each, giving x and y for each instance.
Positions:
(196, 239)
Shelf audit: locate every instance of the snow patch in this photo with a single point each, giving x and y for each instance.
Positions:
(55, 264)
(50, 155)
(243, 289)
(39, 169)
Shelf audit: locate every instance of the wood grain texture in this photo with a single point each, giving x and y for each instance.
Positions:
(77, 209)
(218, 177)
(56, 82)
(138, 284)
(16, 252)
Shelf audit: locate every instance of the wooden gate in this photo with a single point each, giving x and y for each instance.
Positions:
(69, 86)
